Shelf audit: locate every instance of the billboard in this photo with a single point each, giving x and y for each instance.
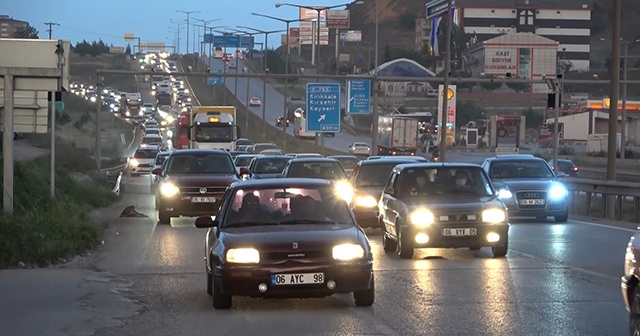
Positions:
(129, 36)
(499, 60)
(307, 32)
(451, 96)
(153, 46)
(351, 35)
(312, 14)
(338, 19)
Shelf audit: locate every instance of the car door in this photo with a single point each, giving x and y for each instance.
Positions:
(388, 210)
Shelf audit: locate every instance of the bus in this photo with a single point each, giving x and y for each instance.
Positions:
(218, 52)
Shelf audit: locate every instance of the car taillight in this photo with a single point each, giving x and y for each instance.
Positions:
(368, 148)
(575, 168)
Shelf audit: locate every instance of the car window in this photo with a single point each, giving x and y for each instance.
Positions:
(152, 131)
(243, 161)
(145, 154)
(201, 164)
(521, 169)
(160, 159)
(312, 205)
(270, 166)
(348, 163)
(435, 182)
(374, 175)
(322, 170)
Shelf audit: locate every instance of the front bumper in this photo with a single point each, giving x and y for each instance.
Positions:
(551, 208)
(437, 239)
(182, 205)
(243, 280)
(366, 217)
(141, 169)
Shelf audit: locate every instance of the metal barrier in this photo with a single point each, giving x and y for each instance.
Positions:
(601, 174)
(625, 193)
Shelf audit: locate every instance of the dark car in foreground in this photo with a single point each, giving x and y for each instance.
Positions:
(286, 238)
(630, 284)
(529, 187)
(368, 181)
(442, 205)
(192, 182)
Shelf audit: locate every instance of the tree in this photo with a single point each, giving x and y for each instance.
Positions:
(565, 66)
(467, 111)
(26, 32)
(490, 86)
(533, 119)
(127, 51)
(518, 87)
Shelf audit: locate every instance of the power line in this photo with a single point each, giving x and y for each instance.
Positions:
(50, 30)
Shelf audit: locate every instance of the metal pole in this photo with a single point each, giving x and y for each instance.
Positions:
(99, 127)
(187, 52)
(625, 74)
(445, 87)
(337, 51)
(7, 144)
(318, 28)
(374, 111)
(52, 158)
(313, 43)
(286, 92)
(264, 89)
(556, 126)
(235, 80)
(246, 119)
(613, 106)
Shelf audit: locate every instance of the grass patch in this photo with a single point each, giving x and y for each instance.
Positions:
(215, 96)
(83, 69)
(43, 230)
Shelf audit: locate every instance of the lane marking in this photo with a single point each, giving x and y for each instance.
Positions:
(569, 267)
(602, 225)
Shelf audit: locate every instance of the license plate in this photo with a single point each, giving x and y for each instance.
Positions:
(297, 279)
(532, 202)
(460, 232)
(203, 199)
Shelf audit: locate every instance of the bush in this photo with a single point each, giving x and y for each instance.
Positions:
(42, 230)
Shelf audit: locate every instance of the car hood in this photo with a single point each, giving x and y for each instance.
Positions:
(375, 192)
(522, 185)
(266, 175)
(456, 203)
(199, 180)
(281, 237)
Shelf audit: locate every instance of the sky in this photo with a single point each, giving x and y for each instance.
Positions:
(148, 19)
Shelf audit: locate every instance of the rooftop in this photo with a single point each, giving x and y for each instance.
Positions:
(556, 4)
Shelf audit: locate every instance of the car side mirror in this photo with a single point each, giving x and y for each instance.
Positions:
(389, 190)
(157, 171)
(243, 171)
(205, 222)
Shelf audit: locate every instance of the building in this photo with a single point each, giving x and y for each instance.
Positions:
(403, 67)
(8, 26)
(423, 34)
(514, 55)
(553, 19)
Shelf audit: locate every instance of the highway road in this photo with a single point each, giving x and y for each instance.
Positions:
(558, 279)
(274, 102)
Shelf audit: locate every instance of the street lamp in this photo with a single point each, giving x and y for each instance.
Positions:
(188, 17)
(178, 25)
(286, 70)
(240, 34)
(204, 32)
(554, 86)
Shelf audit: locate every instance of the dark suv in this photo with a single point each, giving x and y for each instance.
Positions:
(528, 186)
(192, 182)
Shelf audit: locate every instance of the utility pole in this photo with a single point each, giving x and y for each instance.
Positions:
(445, 86)
(623, 131)
(188, 17)
(374, 112)
(50, 30)
(612, 147)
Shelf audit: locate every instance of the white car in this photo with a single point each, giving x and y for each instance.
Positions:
(153, 140)
(255, 101)
(159, 160)
(360, 148)
(143, 159)
(152, 131)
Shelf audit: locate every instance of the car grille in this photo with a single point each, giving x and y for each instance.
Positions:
(196, 190)
(522, 195)
(296, 256)
(144, 165)
(468, 217)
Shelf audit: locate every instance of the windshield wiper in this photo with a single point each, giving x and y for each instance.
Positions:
(307, 221)
(245, 224)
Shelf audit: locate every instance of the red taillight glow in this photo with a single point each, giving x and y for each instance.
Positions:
(575, 168)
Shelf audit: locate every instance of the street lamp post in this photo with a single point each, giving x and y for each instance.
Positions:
(178, 25)
(188, 17)
(286, 71)
(204, 32)
(376, 91)
(445, 86)
(240, 34)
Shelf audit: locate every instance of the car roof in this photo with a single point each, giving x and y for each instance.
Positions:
(287, 182)
(200, 151)
(396, 159)
(343, 157)
(146, 147)
(517, 157)
(246, 155)
(268, 157)
(437, 165)
(152, 136)
(313, 159)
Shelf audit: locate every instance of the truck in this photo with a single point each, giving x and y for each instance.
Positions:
(397, 135)
(212, 127)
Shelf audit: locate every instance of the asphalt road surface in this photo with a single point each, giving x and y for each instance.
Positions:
(558, 279)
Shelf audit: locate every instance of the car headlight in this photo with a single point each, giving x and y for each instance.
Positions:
(344, 190)
(163, 123)
(170, 119)
(112, 105)
(134, 162)
(93, 99)
(629, 261)
(243, 256)
(169, 133)
(422, 217)
(366, 201)
(186, 91)
(557, 191)
(116, 109)
(504, 194)
(494, 216)
(168, 189)
(347, 252)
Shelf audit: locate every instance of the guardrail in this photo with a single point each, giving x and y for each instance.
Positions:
(583, 193)
(113, 176)
(602, 175)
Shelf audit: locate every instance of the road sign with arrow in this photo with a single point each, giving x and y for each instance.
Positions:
(323, 107)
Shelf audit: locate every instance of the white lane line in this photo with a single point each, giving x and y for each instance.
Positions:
(602, 225)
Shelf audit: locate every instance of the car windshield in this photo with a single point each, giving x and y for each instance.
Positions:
(311, 205)
(322, 170)
(260, 147)
(348, 163)
(523, 169)
(219, 133)
(243, 161)
(153, 131)
(145, 154)
(201, 164)
(273, 165)
(374, 175)
(160, 159)
(435, 182)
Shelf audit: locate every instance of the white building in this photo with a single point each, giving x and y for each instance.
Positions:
(515, 55)
(553, 19)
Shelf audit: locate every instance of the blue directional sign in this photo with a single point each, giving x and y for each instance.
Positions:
(230, 41)
(437, 7)
(213, 81)
(323, 107)
(359, 96)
